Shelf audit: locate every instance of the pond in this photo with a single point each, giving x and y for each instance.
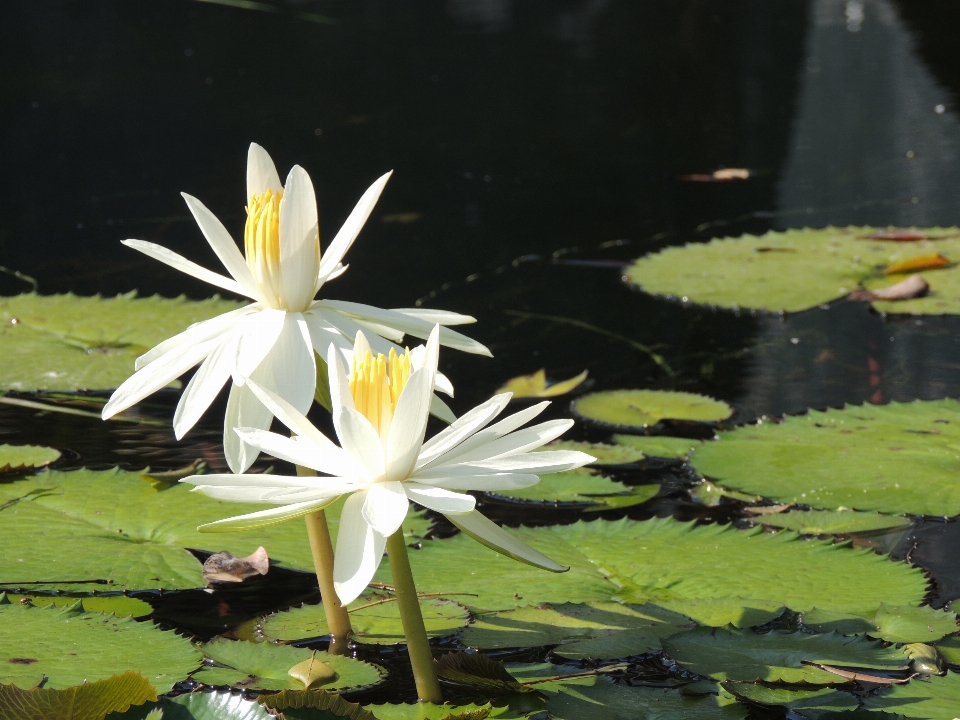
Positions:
(562, 173)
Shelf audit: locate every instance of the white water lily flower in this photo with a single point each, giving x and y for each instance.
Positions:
(380, 416)
(274, 339)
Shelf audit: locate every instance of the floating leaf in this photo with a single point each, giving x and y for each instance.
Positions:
(743, 655)
(294, 704)
(375, 619)
(88, 701)
(70, 646)
(710, 494)
(119, 605)
(65, 342)
(790, 271)
(266, 666)
(20, 458)
(925, 659)
(896, 458)
(924, 262)
(717, 612)
(903, 624)
(949, 648)
(122, 530)
(658, 445)
(660, 560)
(913, 287)
(935, 699)
(201, 705)
(605, 454)
(224, 567)
(833, 522)
(535, 385)
(312, 672)
(476, 670)
(585, 487)
(820, 700)
(582, 696)
(642, 408)
(429, 711)
(587, 630)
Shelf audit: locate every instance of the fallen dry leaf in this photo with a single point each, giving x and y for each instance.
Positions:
(896, 235)
(858, 676)
(224, 567)
(721, 175)
(312, 672)
(924, 262)
(535, 385)
(913, 287)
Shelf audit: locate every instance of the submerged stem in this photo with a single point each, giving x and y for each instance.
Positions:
(322, 549)
(418, 646)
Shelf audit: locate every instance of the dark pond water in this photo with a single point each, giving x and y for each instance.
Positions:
(536, 147)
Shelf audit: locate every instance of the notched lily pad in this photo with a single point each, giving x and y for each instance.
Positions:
(659, 446)
(23, 458)
(375, 618)
(582, 486)
(643, 408)
(933, 699)
(429, 711)
(897, 458)
(819, 700)
(832, 522)
(198, 705)
(295, 704)
(903, 624)
(88, 701)
(604, 453)
(119, 605)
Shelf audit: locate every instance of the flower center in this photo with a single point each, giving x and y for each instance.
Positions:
(262, 240)
(376, 382)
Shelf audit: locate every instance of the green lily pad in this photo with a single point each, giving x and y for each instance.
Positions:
(661, 560)
(264, 666)
(904, 624)
(832, 522)
(717, 612)
(65, 342)
(70, 646)
(796, 270)
(312, 705)
(659, 445)
(820, 700)
(604, 453)
(896, 458)
(949, 649)
(743, 655)
(582, 486)
(131, 533)
(119, 605)
(585, 630)
(89, 701)
(18, 458)
(199, 705)
(596, 696)
(374, 621)
(429, 711)
(642, 408)
(935, 699)
(710, 494)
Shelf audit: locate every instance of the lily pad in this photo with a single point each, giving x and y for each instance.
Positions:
(661, 560)
(312, 705)
(70, 646)
(265, 666)
(642, 408)
(375, 619)
(717, 612)
(587, 630)
(896, 458)
(820, 700)
(832, 522)
(429, 711)
(199, 705)
(949, 649)
(19, 458)
(935, 699)
(796, 270)
(65, 342)
(131, 533)
(604, 453)
(743, 655)
(710, 494)
(596, 696)
(89, 701)
(659, 445)
(905, 624)
(119, 605)
(585, 487)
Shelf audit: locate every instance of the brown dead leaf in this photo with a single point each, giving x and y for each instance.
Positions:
(897, 235)
(913, 287)
(721, 175)
(312, 672)
(858, 676)
(224, 567)
(924, 262)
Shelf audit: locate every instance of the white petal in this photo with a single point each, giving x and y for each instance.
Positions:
(258, 335)
(261, 172)
(289, 370)
(439, 409)
(349, 328)
(361, 346)
(468, 424)
(259, 480)
(340, 395)
(408, 425)
(350, 229)
(359, 438)
(246, 411)
(385, 507)
(197, 333)
(205, 385)
(330, 460)
(440, 500)
(359, 551)
(322, 335)
(158, 374)
(480, 481)
(337, 272)
(381, 330)
(437, 317)
(224, 246)
(441, 383)
(496, 538)
(536, 463)
(264, 518)
(169, 257)
(517, 442)
(299, 240)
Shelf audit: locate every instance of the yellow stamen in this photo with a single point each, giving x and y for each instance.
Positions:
(262, 240)
(376, 382)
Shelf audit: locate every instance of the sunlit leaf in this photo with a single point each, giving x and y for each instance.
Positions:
(20, 458)
(642, 408)
(535, 385)
(200, 705)
(923, 262)
(935, 698)
(582, 486)
(820, 700)
(827, 522)
(658, 445)
(604, 453)
(87, 701)
(119, 605)
(903, 624)
(429, 711)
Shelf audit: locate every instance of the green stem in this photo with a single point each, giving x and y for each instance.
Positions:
(322, 549)
(418, 646)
